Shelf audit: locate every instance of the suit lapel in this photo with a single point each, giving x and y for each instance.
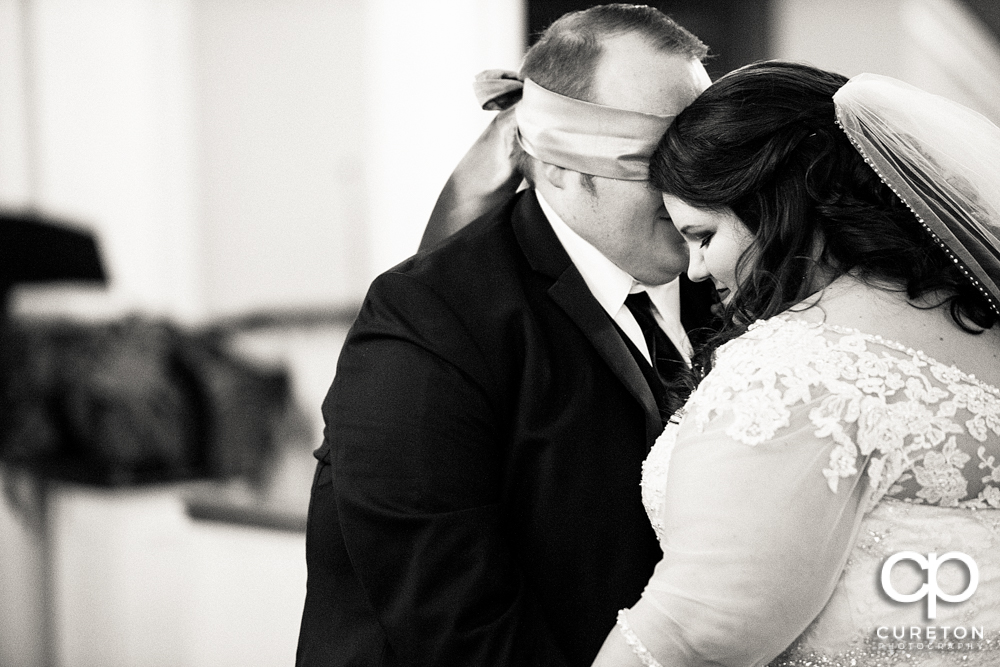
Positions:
(570, 292)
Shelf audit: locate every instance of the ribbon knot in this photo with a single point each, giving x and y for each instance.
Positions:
(497, 89)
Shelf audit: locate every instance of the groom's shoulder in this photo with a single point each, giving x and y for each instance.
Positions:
(485, 255)
(470, 286)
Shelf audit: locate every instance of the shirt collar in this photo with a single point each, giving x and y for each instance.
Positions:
(607, 281)
(666, 298)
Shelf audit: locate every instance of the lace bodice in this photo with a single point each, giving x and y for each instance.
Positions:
(924, 424)
(807, 409)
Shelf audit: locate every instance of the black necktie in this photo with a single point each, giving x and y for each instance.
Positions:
(662, 351)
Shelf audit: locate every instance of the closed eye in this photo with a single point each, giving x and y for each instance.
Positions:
(697, 234)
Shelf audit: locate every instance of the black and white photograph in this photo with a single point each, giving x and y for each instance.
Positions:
(499, 333)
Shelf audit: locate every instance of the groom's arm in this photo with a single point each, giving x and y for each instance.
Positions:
(417, 449)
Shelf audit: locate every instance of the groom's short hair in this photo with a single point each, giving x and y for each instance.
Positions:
(565, 57)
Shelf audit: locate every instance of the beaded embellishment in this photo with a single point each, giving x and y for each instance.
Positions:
(937, 239)
(633, 641)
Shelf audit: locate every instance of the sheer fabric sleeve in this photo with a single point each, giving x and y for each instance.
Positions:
(762, 504)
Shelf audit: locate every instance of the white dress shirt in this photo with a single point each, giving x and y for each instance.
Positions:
(610, 285)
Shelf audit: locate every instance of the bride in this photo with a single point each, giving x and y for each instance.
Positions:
(830, 494)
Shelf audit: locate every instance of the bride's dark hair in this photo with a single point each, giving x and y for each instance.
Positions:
(763, 141)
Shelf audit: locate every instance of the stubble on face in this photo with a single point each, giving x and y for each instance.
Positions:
(626, 220)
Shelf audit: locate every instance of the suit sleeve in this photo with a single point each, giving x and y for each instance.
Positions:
(417, 449)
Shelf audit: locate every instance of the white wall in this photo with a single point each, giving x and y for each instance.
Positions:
(424, 116)
(15, 170)
(327, 130)
(23, 629)
(950, 52)
(121, 568)
(937, 45)
(111, 142)
(281, 87)
(139, 584)
(236, 155)
(846, 36)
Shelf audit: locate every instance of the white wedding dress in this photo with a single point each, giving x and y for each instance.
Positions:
(808, 456)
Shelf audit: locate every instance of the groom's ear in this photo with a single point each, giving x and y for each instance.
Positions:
(557, 177)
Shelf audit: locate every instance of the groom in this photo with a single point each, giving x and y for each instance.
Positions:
(477, 498)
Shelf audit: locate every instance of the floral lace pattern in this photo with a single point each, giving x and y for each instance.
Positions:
(879, 399)
(924, 436)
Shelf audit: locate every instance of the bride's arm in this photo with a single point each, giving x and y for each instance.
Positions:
(755, 539)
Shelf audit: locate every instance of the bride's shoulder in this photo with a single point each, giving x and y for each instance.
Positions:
(778, 366)
(775, 352)
(887, 321)
(775, 339)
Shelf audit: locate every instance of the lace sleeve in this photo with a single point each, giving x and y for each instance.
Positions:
(800, 429)
(762, 502)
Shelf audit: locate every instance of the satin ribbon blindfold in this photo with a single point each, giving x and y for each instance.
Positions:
(585, 137)
(573, 134)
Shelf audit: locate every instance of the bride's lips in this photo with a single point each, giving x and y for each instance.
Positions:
(723, 293)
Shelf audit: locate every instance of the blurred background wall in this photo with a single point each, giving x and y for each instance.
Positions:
(238, 157)
(242, 154)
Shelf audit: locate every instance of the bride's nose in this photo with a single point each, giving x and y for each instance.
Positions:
(697, 271)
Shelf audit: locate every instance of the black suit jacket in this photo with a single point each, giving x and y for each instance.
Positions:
(477, 499)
